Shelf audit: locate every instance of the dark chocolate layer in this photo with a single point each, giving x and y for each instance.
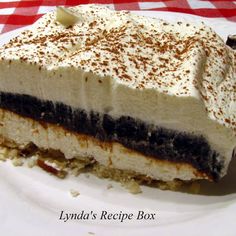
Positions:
(156, 142)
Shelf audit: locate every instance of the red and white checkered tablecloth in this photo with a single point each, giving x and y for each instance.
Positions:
(15, 14)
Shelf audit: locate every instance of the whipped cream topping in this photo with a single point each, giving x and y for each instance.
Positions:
(181, 59)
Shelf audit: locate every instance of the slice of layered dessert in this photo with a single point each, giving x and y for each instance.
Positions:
(129, 93)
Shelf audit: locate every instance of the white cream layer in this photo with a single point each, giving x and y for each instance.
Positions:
(118, 63)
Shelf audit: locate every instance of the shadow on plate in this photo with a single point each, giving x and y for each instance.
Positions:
(222, 192)
(227, 185)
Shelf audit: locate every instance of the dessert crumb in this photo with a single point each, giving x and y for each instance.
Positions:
(132, 186)
(91, 233)
(12, 154)
(3, 154)
(109, 186)
(74, 193)
(17, 162)
(2, 158)
(31, 163)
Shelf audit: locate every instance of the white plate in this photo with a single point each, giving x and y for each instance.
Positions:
(32, 201)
